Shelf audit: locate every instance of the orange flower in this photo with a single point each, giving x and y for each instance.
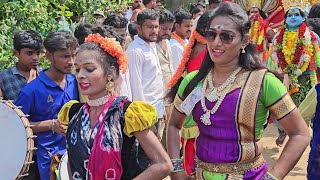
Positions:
(112, 47)
(293, 90)
(185, 57)
(179, 39)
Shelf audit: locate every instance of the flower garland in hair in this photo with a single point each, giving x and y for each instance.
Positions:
(179, 39)
(112, 47)
(195, 36)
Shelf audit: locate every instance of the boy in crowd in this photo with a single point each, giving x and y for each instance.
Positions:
(28, 47)
(119, 23)
(150, 4)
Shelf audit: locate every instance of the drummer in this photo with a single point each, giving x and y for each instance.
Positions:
(43, 98)
(28, 49)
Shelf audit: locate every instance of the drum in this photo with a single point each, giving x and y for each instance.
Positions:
(17, 141)
(63, 168)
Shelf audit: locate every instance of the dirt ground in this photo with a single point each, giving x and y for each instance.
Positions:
(272, 152)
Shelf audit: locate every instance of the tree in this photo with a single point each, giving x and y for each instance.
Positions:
(42, 16)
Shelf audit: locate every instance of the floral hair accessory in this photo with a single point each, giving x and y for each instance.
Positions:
(112, 47)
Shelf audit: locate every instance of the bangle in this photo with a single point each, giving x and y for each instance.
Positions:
(269, 176)
(177, 165)
(52, 126)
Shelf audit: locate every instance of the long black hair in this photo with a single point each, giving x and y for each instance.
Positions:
(201, 27)
(249, 60)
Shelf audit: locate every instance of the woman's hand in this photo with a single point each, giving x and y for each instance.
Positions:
(182, 175)
(151, 145)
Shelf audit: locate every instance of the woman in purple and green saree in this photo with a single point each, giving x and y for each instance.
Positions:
(101, 134)
(230, 99)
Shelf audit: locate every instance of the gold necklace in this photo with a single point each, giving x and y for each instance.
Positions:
(217, 94)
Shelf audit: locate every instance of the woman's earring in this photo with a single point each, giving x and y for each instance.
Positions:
(243, 51)
(110, 86)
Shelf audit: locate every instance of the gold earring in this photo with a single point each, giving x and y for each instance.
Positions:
(243, 51)
(110, 86)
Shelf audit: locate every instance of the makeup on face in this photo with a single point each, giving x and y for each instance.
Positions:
(294, 18)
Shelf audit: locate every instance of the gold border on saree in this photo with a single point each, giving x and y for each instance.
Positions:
(177, 103)
(230, 168)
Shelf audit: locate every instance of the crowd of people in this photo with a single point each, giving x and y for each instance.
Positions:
(149, 93)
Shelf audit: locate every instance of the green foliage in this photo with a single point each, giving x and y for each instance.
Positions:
(42, 16)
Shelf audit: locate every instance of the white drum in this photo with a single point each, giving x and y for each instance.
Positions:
(63, 168)
(17, 142)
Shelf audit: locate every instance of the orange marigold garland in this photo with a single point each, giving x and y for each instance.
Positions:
(179, 39)
(257, 34)
(290, 58)
(185, 57)
(112, 47)
(315, 62)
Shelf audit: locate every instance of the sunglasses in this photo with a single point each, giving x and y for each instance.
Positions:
(225, 37)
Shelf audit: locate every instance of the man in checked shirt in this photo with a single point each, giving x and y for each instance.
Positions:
(28, 49)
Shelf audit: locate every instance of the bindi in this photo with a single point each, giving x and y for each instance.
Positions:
(218, 27)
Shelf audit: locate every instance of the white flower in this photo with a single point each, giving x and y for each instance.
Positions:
(307, 37)
(298, 72)
(306, 58)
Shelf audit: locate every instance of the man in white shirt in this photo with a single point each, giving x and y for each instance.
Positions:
(144, 68)
(163, 47)
(179, 39)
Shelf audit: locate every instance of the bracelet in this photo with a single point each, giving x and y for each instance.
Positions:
(269, 176)
(177, 165)
(52, 126)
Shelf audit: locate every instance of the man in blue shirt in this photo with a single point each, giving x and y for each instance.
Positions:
(43, 98)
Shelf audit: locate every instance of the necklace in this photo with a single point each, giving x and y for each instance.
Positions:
(257, 33)
(292, 54)
(216, 94)
(98, 102)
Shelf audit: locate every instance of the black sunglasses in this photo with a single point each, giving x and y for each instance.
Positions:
(225, 37)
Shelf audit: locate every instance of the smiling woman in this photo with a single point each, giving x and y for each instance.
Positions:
(230, 98)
